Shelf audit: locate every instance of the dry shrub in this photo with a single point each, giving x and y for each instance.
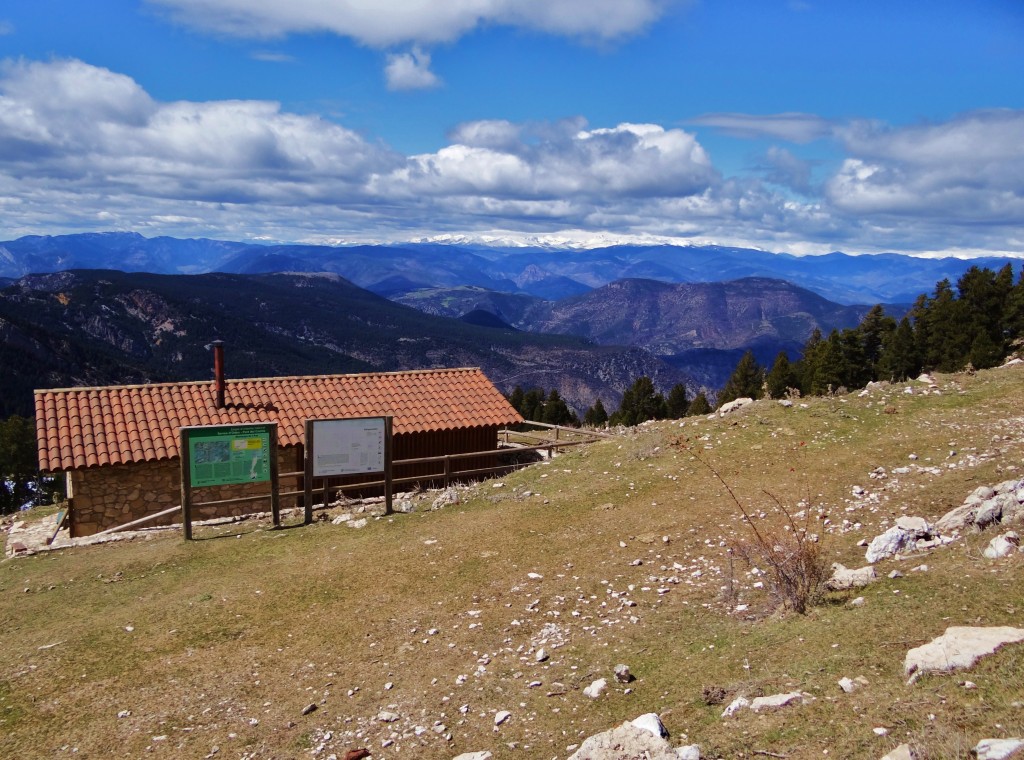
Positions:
(794, 561)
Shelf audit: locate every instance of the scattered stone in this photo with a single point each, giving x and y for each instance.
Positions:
(386, 716)
(501, 716)
(652, 723)
(732, 406)
(895, 574)
(360, 523)
(902, 752)
(998, 749)
(902, 537)
(622, 674)
(474, 756)
(847, 684)
(958, 647)
(858, 602)
(448, 497)
(311, 707)
(1003, 546)
(341, 519)
(630, 741)
(596, 688)
(542, 655)
(405, 506)
(844, 578)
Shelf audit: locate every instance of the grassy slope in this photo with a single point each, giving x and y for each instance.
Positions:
(234, 635)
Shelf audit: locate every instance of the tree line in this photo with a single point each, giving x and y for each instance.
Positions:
(976, 325)
(640, 402)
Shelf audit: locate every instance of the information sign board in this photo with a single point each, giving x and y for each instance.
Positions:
(345, 447)
(229, 454)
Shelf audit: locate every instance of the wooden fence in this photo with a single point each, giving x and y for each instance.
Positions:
(515, 442)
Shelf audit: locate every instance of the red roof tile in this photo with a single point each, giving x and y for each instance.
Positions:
(88, 427)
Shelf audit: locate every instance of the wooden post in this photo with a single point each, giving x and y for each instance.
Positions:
(275, 490)
(447, 469)
(387, 464)
(186, 487)
(307, 474)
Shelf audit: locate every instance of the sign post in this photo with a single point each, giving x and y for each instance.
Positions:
(224, 455)
(347, 447)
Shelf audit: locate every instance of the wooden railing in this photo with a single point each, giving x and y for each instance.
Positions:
(558, 437)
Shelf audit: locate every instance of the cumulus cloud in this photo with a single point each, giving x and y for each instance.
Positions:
(630, 160)
(968, 169)
(85, 148)
(383, 23)
(410, 71)
(794, 127)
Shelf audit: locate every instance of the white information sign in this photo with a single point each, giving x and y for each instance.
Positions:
(344, 447)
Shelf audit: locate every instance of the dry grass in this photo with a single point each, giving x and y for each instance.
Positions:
(233, 635)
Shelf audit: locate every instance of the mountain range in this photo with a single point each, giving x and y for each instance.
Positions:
(98, 327)
(551, 274)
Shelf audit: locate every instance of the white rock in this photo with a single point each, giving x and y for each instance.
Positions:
(844, 578)
(858, 602)
(385, 716)
(735, 706)
(1003, 546)
(776, 701)
(542, 654)
(501, 716)
(847, 684)
(916, 525)
(627, 741)
(405, 506)
(887, 544)
(690, 751)
(998, 749)
(732, 406)
(474, 756)
(902, 752)
(622, 674)
(652, 723)
(360, 523)
(958, 647)
(596, 688)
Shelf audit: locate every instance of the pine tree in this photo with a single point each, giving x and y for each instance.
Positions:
(596, 416)
(746, 380)
(640, 403)
(677, 402)
(557, 412)
(533, 405)
(781, 377)
(516, 398)
(872, 332)
(899, 359)
(699, 406)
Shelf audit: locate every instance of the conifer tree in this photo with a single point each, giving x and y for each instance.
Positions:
(640, 403)
(899, 359)
(516, 398)
(596, 416)
(677, 402)
(699, 406)
(781, 377)
(746, 380)
(557, 412)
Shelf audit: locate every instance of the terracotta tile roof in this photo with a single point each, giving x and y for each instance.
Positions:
(87, 427)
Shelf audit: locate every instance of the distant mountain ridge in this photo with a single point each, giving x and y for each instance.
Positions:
(99, 327)
(545, 272)
(665, 318)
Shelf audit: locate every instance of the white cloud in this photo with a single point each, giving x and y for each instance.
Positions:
(384, 23)
(410, 71)
(969, 169)
(85, 148)
(6, 27)
(269, 56)
(794, 127)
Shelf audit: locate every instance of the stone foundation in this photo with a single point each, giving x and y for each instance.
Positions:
(105, 497)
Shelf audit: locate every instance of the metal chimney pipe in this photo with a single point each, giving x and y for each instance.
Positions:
(218, 371)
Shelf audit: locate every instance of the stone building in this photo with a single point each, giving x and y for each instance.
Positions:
(119, 445)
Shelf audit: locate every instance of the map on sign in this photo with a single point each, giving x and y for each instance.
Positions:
(228, 455)
(344, 447)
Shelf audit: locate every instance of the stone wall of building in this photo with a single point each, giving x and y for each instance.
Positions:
(105, 497)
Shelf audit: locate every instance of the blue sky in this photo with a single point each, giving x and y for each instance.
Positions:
(794, 125)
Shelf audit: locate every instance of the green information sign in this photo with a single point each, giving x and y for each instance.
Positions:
(228, 455)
